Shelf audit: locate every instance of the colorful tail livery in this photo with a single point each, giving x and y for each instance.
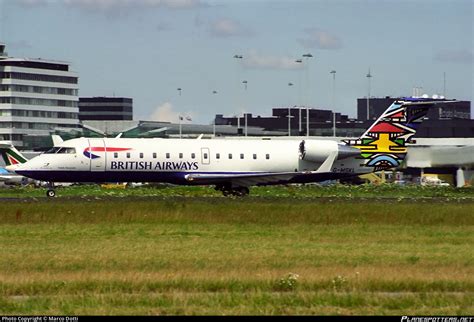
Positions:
(11, 155)
(383, 145)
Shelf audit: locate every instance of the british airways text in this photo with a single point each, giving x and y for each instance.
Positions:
(148, 165)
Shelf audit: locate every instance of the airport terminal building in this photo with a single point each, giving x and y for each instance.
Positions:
(36, 97)
(105, 108)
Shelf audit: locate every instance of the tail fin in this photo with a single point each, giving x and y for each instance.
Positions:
(11, 155)
(383, 145)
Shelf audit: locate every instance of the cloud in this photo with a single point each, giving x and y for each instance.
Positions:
(225, 27)
(255, 60)
(165, 113)
(317, 38)
(462, 56)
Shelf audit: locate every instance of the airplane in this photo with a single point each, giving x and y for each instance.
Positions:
(12, 158)
(232, 165)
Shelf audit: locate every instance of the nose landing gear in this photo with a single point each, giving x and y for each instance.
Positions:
(51, 193)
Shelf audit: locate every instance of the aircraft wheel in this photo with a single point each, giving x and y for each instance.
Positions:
(51, 193)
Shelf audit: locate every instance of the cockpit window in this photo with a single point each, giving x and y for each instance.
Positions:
(67, 150)
(63, 150)
(53, 150)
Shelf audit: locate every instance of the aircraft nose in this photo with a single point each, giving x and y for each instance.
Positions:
(12, 167)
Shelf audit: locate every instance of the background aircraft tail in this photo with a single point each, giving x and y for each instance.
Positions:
(383, 145)
(11, 155)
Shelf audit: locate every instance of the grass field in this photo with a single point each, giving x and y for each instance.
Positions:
(194, 253)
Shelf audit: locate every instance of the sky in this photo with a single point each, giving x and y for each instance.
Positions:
(147, 49)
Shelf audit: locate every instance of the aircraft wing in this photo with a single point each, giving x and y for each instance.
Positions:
(250, 179)
(241, 179)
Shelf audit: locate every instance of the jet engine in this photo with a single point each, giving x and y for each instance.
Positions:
(319, 150)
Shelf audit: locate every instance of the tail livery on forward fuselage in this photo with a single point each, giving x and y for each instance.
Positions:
(233, 165)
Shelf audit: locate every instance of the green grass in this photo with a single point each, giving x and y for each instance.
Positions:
(213, 255)
(293, 191)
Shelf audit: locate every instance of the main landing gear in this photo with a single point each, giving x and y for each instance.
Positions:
(228, 190)
(51, 193)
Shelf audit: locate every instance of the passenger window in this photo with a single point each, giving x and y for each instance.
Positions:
(141, 155)
(230, 155)
(218, 155)
(267, 156)
(128, 155)
(167, 155)
(241, 155)
(254, 156)
(115, 155)
(193, 155)
(154, 155)
(180, 155)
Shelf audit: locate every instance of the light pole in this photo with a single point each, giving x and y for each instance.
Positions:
(307, 57)
(299, 61)
(180, 118)
(369, 76)
(289, 112)
(307, 121)
(307, 90)
(214, 123)
(245, 114)
(333, 72)
(238, 57)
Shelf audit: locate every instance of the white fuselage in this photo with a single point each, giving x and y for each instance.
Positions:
(169, 160)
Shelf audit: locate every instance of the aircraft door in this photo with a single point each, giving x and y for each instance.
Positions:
(205, 156)
(97, 154)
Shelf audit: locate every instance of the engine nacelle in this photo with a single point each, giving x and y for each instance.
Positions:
(317, 150)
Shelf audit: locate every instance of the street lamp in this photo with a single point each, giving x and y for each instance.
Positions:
(289, 113)
(179, 90)
(333, 72)
(238, 56)
(299, 61)
(245, 114)
(214, 125)
(181, 118)
(369, 76)
(307, 57)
